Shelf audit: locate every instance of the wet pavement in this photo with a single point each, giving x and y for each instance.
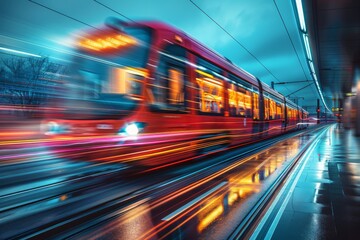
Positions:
(321, 200)
(205, 199)
(211, 203)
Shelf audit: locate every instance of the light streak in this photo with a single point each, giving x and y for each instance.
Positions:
(211, 217)
(19, 52)
(301, 18)
(193, 202)
(301, 15)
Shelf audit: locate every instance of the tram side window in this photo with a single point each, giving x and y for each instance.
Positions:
(247, 101)
(267, 108)
(272, 109)
(176, 86)
(125, 81)
(239, 101)
(210, 89)
(290, 113)
(168, 91)
(210, 93)
(256, 106)
(279, 110)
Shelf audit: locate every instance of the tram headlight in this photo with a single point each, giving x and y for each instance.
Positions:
(132, 129)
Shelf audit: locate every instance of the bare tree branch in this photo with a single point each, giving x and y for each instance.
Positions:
(27, 82)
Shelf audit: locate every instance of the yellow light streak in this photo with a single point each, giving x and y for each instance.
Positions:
(211, 217)
(204, 73)
(233, 196)
(137, 71)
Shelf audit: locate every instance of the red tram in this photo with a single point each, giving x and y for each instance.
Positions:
(166, 96)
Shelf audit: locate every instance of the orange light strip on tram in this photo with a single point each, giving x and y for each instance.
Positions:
(107, 42)
(210, 81)
(137, 71)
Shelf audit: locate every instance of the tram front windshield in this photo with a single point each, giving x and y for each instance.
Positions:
(109, 71)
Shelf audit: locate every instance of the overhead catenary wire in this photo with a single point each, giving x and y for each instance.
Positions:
(219, 25)
(63, 14)
(300, 89)
(231, 36)
(291, 41)
(288, 34)
(111, 9)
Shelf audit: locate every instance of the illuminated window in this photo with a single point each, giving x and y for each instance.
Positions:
(239, 102)
(125, 81)
(272, 109)
(168, 89)
(291, 113)
(239, 98)
(210, 88)
(288, 112)
(256, 106)
(275, 107)
(211, 92)
(176, 86)
(279, 110)
(134, 82)
(233, 100)
(267, 108)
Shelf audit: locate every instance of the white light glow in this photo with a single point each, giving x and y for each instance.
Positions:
(312, 67)
(132, 129)
(50, 128)
(314, 76)
(18, 52)
(307, 46)
(301, 15)
(301, 18)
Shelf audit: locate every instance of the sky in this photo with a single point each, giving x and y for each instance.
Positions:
(260, 36)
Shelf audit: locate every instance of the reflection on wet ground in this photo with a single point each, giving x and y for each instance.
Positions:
(324, 203)
(201, 200)
(212, 214)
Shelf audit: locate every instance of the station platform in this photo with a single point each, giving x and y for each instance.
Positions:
(321, 198)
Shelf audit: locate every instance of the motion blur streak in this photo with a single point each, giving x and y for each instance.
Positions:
(135, 220)
(211, 217)
(20, 52)
(249, 180)
(136, 96)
